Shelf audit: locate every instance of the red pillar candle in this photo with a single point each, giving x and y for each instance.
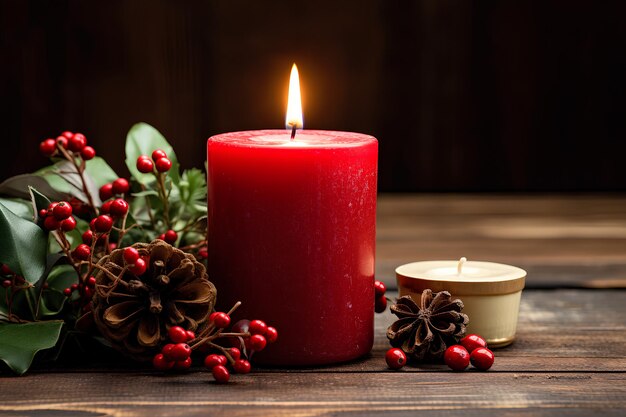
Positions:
(292, 235)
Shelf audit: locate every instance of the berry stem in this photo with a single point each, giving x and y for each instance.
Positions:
(164, 199)
(147, 197)
(80, 169)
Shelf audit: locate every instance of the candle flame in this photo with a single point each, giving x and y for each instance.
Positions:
(294, 102)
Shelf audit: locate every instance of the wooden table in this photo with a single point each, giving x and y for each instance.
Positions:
(569, 358)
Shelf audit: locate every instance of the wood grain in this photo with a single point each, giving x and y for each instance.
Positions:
(562, 241)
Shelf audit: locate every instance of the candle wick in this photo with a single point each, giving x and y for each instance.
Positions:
(459, 267)
(293, 130)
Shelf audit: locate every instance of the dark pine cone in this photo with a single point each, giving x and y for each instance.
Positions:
(425, 331)
(134, 313)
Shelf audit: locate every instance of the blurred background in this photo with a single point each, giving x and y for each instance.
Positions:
(462, 95)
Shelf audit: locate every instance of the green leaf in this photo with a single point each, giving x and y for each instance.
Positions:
(64, 178)
(18, 206)
(18, 186)
(100, 172)
(145, 193)
(20, 342)
(22, 246)
(38, 201)
(142, 139)
(62, 277)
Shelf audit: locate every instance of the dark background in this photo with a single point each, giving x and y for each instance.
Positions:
(462, 95)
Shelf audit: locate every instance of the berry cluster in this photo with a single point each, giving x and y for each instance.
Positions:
(69, 144)
(380, 301)
(473, 348)
(58, 216)
(245, 338)
(159, 162)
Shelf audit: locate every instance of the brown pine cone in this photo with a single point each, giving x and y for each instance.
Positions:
(425, 331)
(134, 313)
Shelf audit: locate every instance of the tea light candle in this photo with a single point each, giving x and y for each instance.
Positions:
(491, 292)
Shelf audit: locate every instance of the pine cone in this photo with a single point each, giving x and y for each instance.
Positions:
(424, 332)
(134, 313)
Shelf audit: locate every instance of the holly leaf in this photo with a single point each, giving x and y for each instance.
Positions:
(142, 139)
(20, 342)
(23, 245)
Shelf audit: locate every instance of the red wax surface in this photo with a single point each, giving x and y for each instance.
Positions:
(292, 228)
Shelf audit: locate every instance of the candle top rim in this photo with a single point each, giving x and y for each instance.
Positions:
(278, 138)
(472, 271)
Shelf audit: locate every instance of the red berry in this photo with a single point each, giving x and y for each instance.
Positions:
(177, 334)
(158, 154)
(67, 134)
(190, 335)
(482, 358)
(106, 192)
(161, 363)
(180, 352)
(473, 341)
(379, 288)
(119, 207)
(87, 237)
(456, 357)
(67, 292)
(381, 304)
(167, 350)
(62, 210)
(88, 153)
(271, 334)
(48, 147)
(62, 141)
(68, 224)
(50, 223)
(257, 342)
(257, 327)
(234, 353)
(91, 281)
(103, 224)
(6, 270)
(162, 236)
(82, 252)
(139, 267)
(163, 164)
(74, 287)
(221, 320)
(395, 358)
(106, 207)
(242, 366)
(6, 283)
(183, 365)
(221, 374)
(77, 142)
(170, 237)
(144, 164)
(43, 213)
(203, 253)
(130, 255)
(214, 360)
(121, 186)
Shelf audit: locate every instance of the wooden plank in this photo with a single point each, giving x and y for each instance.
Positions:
(562, 241)
(310, 394)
